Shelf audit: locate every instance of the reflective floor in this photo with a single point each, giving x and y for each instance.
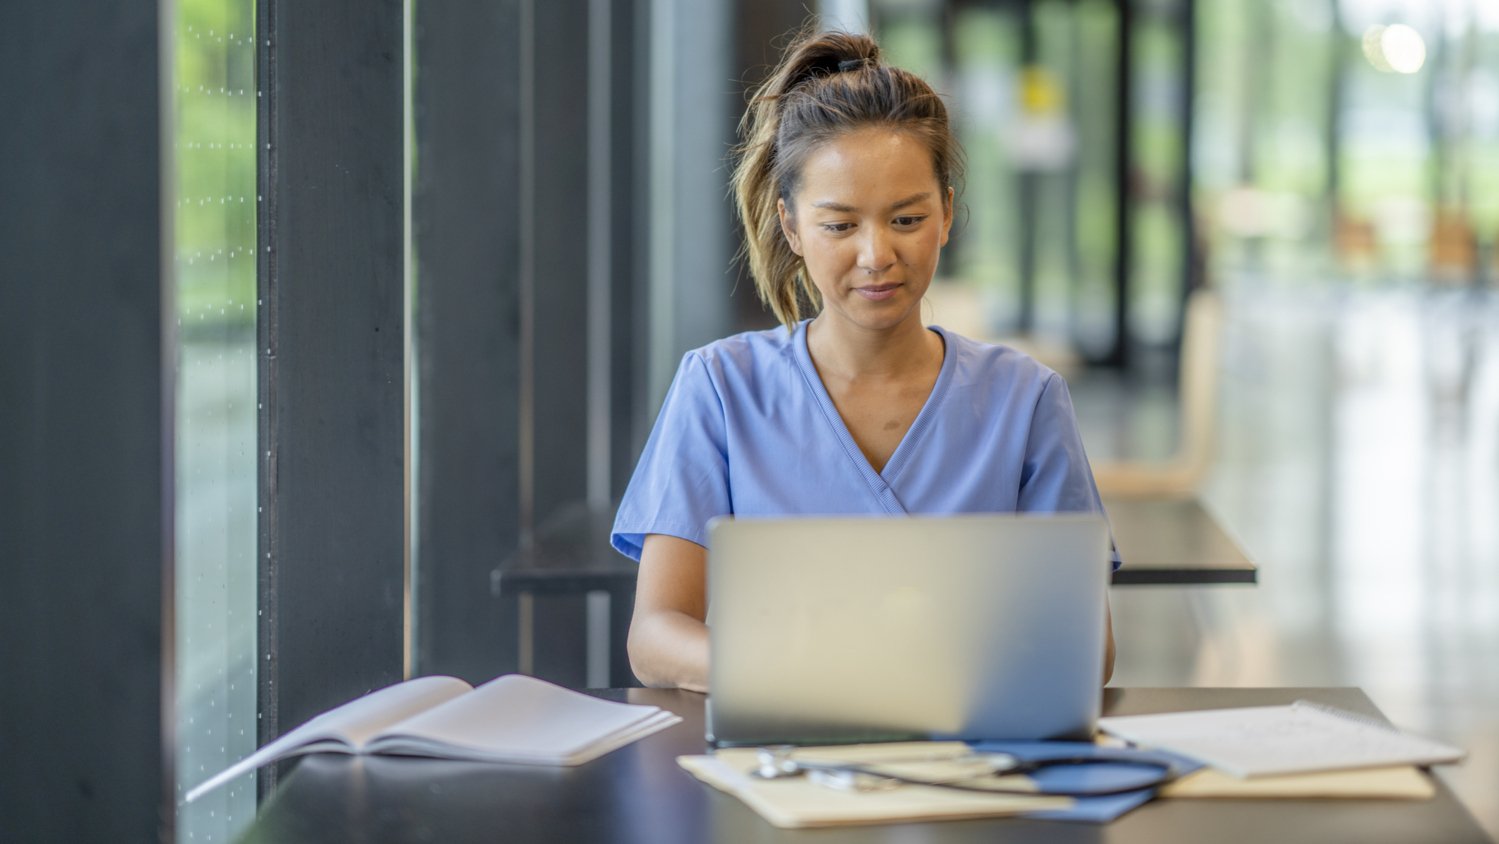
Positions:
(1358, 462)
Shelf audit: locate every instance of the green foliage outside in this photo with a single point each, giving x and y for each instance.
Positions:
(213, 145)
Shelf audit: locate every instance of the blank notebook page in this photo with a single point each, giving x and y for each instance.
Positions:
(523, 718)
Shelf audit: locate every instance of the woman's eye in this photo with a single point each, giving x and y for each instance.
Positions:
(909, 221)
(837, 228)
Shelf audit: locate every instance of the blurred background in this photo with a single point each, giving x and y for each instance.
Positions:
(1257, 236)
(1327, 170)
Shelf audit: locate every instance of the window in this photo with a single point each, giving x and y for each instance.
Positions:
(213, 150)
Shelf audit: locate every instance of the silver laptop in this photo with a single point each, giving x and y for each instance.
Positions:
(881, 629)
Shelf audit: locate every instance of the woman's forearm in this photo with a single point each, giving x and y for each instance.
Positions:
(669, 649)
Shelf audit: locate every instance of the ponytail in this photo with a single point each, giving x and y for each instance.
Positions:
(825, 85)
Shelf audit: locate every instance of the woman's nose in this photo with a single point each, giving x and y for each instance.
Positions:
(876, 253)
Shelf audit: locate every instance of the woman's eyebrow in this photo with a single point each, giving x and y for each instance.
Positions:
(830, 205)
(834, 206)
(911, 200)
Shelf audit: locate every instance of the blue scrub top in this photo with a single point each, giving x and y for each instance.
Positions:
(748, 429)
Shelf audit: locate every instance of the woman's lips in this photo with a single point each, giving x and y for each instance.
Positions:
(877, 292)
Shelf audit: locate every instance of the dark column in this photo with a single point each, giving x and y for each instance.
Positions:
(1124, 229)
(85, 410)
(762, 29)
(691, 111)
(557, 200)
(332, 370)
(629, 224)
(466, 210)
(556, 304)
(1028, 190)
(1193, 267)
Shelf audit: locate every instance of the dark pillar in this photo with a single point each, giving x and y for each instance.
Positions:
(466, 217)
(85, 409)
(1124, 229)
(1028, 186)
(332, 370)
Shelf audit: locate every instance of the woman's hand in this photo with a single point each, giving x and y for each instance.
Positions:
(668, 641)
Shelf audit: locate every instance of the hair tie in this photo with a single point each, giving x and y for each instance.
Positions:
(851, 64)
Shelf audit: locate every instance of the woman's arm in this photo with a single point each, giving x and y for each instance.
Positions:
(668, 641)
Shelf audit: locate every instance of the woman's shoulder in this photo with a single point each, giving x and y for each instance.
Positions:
(978, 360)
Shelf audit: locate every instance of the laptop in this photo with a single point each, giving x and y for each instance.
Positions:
(834, 630)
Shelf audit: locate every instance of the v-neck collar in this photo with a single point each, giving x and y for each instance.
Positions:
(879, 482)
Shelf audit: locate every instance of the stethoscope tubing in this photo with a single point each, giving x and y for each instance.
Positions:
(1167, 773)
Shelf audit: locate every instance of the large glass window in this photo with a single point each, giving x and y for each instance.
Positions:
(1348, 140)
(1033, 97)
(213, 147)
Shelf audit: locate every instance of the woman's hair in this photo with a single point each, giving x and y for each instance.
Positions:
(827, 84)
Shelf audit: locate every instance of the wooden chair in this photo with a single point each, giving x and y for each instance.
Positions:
(1355, 241)
(1180, 475)
(1453, 249)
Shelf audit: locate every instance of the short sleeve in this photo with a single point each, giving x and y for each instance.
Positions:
(1056, 476)
(682, 478)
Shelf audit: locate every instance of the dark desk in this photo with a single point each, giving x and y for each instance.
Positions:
(1174, 542)
(638, 794)
(1163, 541)
(572, 556)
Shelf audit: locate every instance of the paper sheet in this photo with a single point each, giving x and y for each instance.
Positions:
(1275, 740)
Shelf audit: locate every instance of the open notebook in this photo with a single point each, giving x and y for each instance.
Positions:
(514, 718)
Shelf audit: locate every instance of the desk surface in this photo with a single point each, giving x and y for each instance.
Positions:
(638, 794)
(1169, 541)
(1163, 542)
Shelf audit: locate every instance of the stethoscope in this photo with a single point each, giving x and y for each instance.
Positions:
(776, 762)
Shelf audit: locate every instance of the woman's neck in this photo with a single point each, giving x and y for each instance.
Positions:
(853, 353)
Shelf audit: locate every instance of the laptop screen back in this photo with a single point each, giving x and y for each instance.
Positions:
(869, 629)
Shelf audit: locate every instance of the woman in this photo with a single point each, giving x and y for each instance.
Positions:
(845, 185)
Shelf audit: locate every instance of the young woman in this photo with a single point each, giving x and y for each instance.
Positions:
(845, 184)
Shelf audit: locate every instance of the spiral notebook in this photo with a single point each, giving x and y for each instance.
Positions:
(1266, 740)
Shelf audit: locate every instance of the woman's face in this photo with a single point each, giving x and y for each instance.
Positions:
(869, 219)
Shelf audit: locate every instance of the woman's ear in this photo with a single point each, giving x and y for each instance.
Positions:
(788, 227)
(947, 213)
